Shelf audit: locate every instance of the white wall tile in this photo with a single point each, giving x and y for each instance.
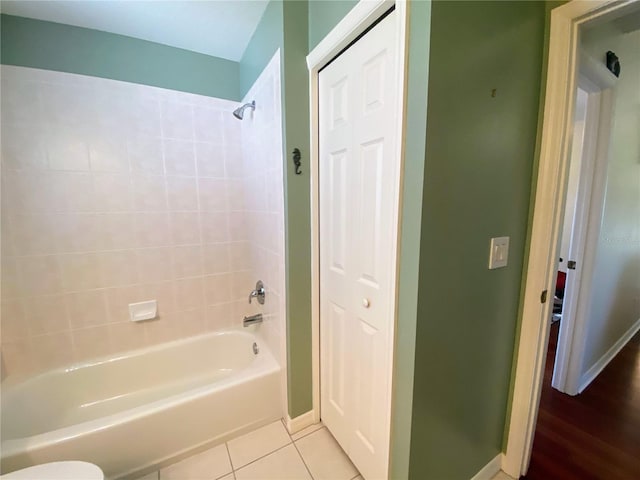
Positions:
(177, 120)
(46, 314)
(213, 194)
(208, 124)
(215, 258)
(154, 264)
(14, 325)
(118, 267)
(209, 160)
(182, 193)
(114, 193)
(152, 229)
(118, 300)
(165, 293)
(87, 308)
(145, 154)
(26, 150)
(189, 293)
(187, 261)
(149, 192)
(185, 228)
(80, 271)
(109, 155)
(92, 342)
(261, 172)
(68, 153)
(215, 227)
(40, 275)
(51, 351)
(217, 288)
(116, 231)
(179, 157)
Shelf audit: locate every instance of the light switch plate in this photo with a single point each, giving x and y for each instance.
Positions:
(499, 252)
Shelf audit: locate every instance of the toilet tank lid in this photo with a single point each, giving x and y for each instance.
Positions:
(70, 470)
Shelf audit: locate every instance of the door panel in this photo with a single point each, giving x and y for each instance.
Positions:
(358, 179)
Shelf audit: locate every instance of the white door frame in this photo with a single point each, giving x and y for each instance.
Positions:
(356, 22)
(562, 77)
(597, 82)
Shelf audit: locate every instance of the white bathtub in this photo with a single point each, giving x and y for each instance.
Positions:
(136, 411)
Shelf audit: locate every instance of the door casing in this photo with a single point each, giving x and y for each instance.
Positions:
(531, 344)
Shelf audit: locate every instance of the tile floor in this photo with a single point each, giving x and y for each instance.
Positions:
(268, 453)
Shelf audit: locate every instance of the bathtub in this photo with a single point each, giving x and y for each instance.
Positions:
(137, 411)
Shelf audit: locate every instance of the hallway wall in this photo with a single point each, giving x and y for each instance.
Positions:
(614, 308)
(479, 158)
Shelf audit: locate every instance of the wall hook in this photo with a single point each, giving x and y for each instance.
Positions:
(296, 160)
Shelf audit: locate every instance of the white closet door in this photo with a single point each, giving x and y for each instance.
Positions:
(358, 203)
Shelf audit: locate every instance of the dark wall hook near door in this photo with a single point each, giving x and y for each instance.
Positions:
(296, 160)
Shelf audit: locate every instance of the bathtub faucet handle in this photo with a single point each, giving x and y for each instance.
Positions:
(258, 293)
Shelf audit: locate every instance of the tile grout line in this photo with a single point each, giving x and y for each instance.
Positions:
(303, 461)
(263, 456)
(285, 428)
(226, 445)
(310, 433)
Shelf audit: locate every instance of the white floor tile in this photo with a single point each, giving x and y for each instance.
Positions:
(306, 431)
(285, 464)
(208, 465)
(256, 444)
(324, 457)
(150, 476)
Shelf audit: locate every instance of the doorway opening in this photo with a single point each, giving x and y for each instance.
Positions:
(581, 365)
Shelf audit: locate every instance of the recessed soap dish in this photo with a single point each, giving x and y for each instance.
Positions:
(143, 310)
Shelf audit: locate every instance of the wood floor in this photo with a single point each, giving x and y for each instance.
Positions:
(594, 435)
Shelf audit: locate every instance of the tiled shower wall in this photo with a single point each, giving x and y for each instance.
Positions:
(264, 201)
(114, 193)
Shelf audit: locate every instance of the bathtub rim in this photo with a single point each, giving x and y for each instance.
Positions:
(266, 365)
(14, 381)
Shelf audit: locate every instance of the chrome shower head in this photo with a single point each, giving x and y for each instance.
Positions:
(239, 112)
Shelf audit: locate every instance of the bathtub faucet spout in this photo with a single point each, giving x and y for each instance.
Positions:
(258, 293)
(252, 320)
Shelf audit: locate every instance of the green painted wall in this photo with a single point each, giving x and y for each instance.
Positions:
(295, 85)
(324, 15)
(477, 180)
(54, 46)
(267, 38)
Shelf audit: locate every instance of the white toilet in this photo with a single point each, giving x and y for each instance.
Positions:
(57, 471)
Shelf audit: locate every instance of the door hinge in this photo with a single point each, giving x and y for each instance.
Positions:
(571, 264)
(543, 297)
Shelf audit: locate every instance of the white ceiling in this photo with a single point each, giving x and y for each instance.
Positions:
(221, 28)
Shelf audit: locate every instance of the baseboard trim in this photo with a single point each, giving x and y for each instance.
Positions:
(490, 469)
(301, 421)
(600, 365)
